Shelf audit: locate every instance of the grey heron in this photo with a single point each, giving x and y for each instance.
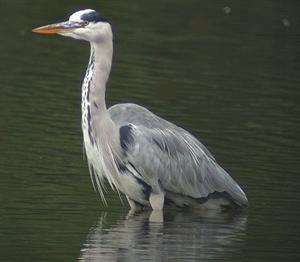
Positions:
(150, 160)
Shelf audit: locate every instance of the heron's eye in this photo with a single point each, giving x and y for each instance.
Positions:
(86, 23)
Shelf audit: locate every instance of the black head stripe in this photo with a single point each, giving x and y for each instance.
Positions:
(93, 17)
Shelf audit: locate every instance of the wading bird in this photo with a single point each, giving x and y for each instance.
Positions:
(152, 161)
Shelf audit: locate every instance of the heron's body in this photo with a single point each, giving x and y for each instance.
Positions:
(149, 159)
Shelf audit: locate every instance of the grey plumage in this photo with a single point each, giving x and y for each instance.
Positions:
(172, 156)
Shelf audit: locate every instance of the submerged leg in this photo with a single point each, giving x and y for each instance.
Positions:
(157, 200)
(156, 216)
(134, 206)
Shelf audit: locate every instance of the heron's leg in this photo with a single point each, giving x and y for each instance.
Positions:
(157, 200)
(156, 216)
(133, 205)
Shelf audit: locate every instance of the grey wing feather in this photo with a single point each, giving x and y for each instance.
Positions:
(126, 113)
(164, 152)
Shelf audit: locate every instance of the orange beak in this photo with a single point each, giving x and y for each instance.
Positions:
(58, 28)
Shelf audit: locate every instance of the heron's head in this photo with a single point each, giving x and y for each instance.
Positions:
(86, 24)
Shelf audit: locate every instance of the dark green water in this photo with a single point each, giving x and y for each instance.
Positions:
(226, 70)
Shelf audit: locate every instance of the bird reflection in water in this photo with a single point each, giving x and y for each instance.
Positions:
(182, 236)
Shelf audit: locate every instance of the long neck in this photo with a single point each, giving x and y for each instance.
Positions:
(94, 111)
(100, 134)
(97, 74)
